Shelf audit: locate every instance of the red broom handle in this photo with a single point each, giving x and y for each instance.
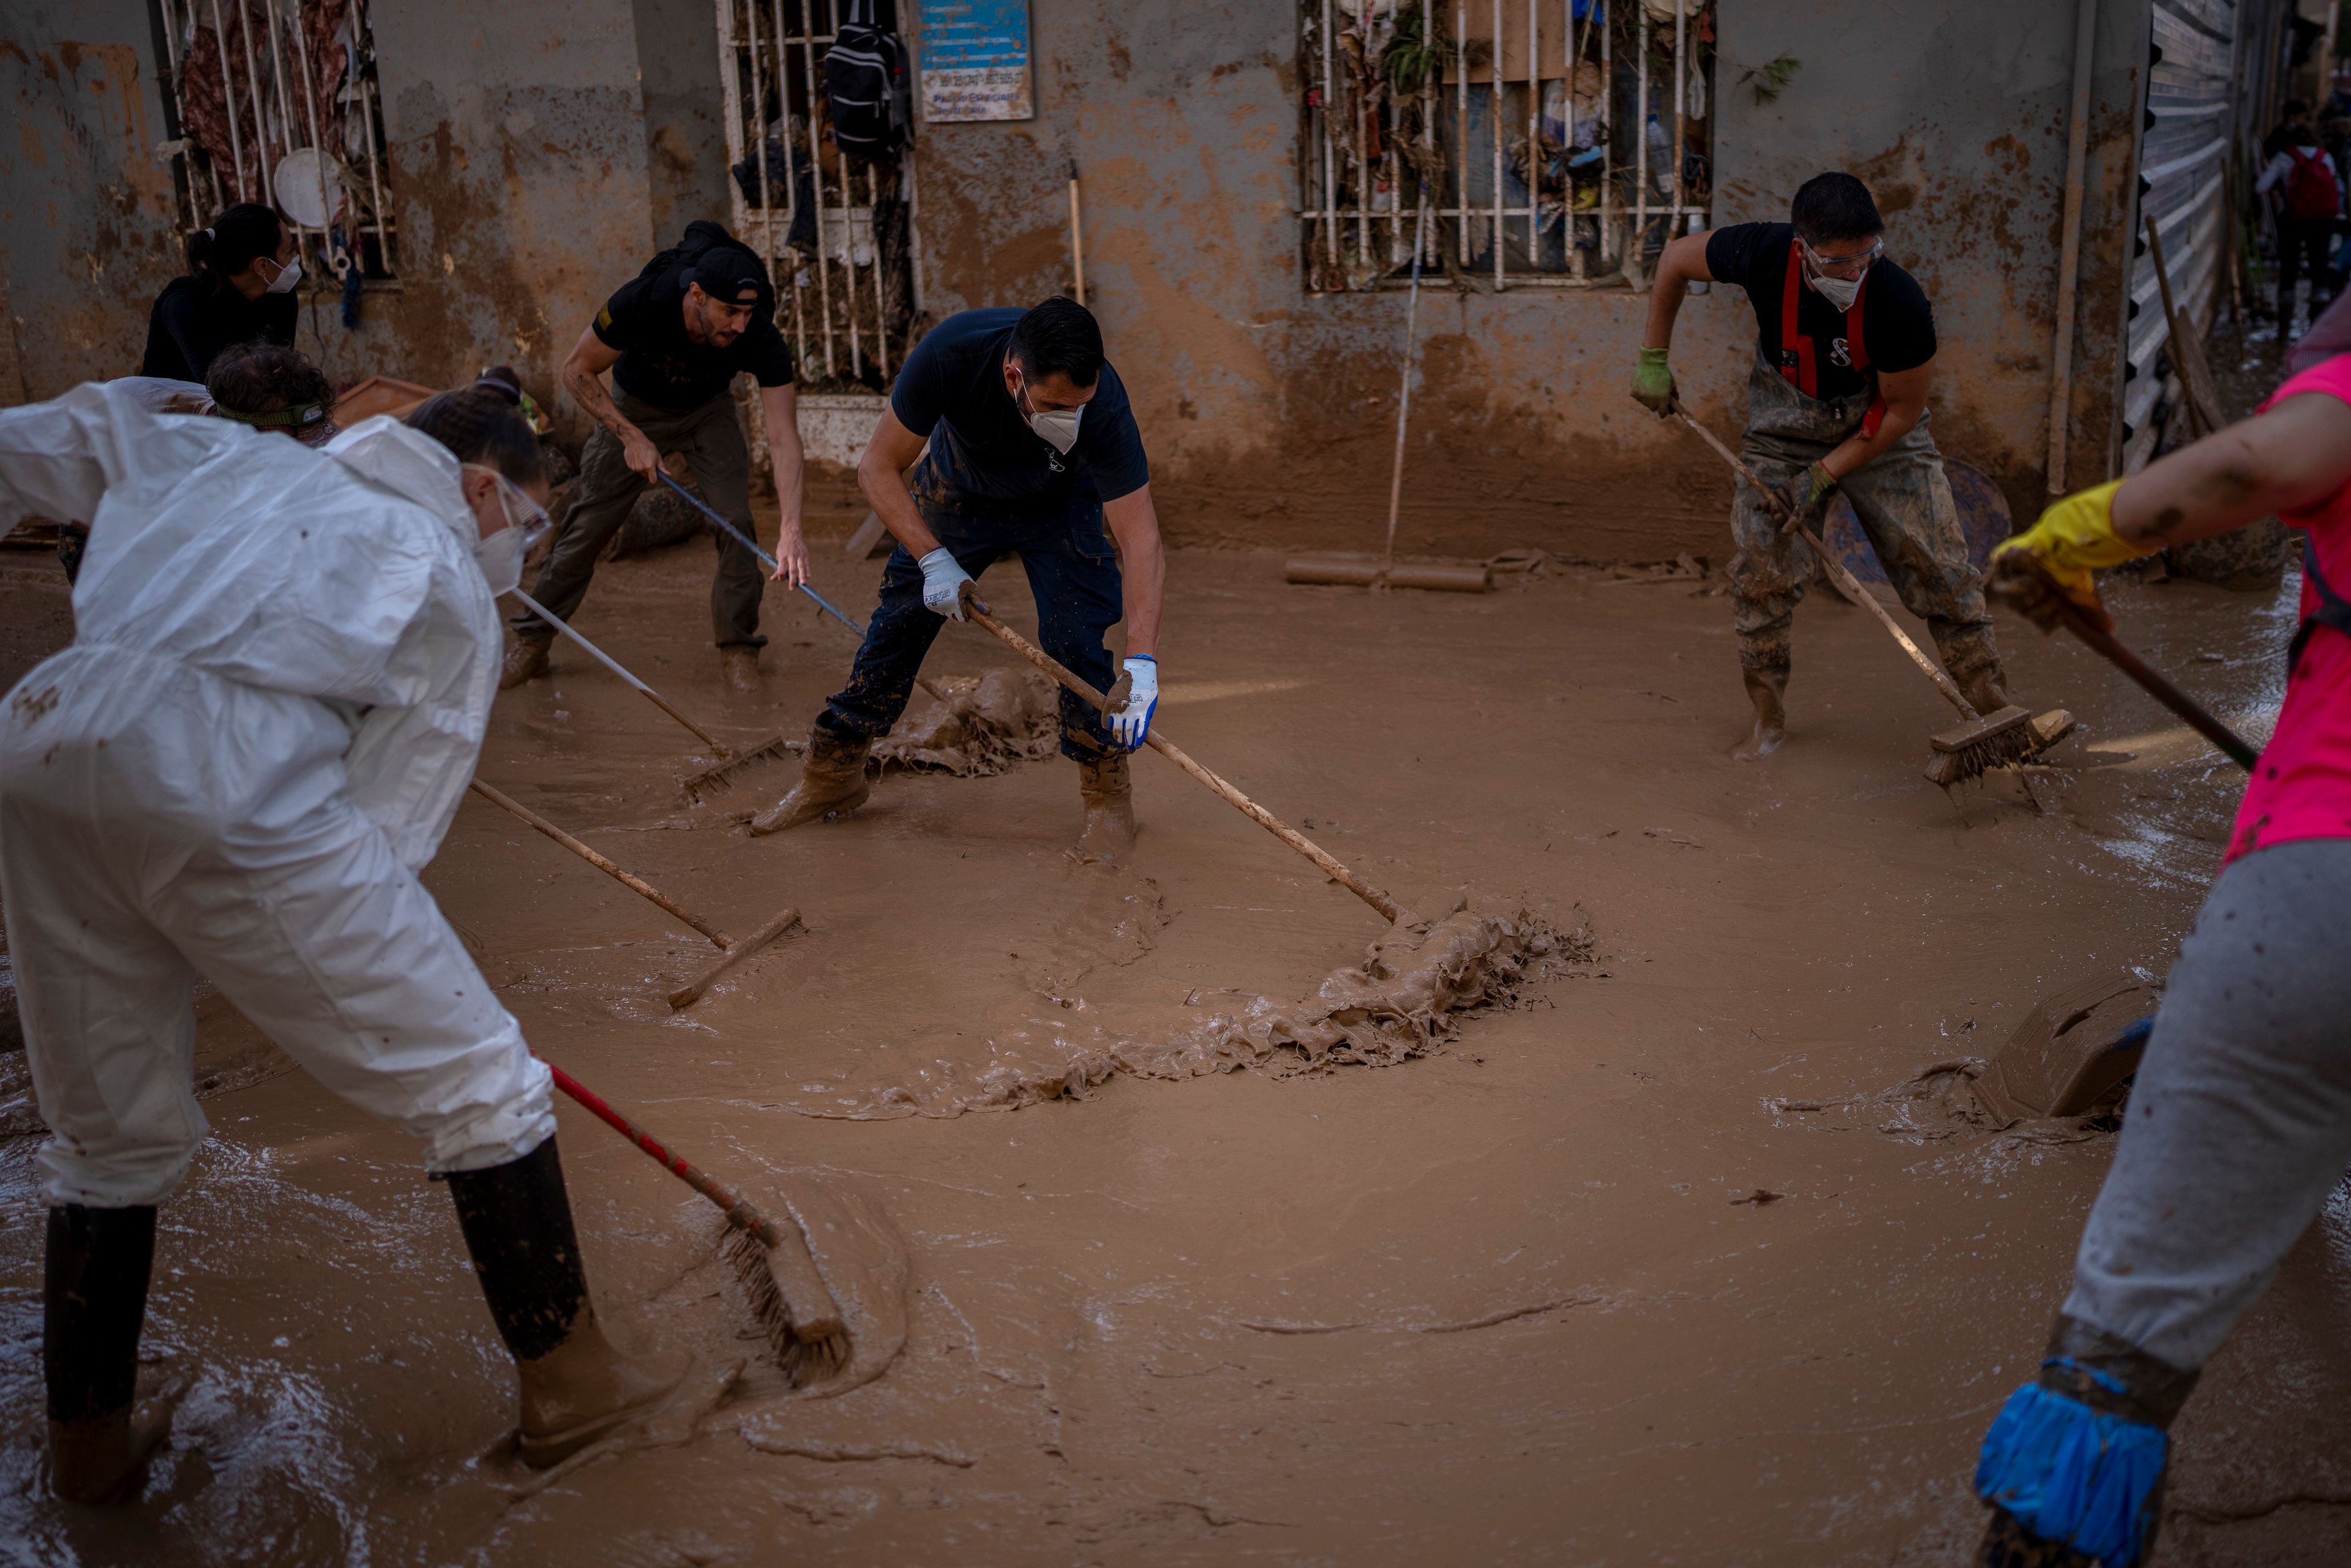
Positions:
(739, 1211)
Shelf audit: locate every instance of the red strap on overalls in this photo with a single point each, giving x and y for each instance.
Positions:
(1796, 361)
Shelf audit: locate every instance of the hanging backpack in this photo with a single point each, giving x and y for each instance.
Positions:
(2310, 188)
(867, 86)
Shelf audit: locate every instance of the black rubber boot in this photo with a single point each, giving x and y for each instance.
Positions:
(93, 1301)
(575, 1386)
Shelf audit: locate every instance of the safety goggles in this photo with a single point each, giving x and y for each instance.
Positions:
(1847, 267)
(524, 515)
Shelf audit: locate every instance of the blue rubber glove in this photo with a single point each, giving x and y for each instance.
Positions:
(943, 582)
(1129, 727)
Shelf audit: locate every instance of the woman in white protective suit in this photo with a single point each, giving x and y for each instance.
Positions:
(282, 665)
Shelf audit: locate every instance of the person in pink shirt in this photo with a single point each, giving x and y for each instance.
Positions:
(2239, 1124)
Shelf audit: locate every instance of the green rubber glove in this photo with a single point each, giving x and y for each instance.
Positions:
(1652, 383)
(1808, 494)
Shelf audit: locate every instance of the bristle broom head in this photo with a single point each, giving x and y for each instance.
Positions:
(1998, 739)
(804, 1362)
(719, 776)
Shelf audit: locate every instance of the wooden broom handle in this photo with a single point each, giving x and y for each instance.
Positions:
(1845, 579)
(1387, 907)
(637, 885)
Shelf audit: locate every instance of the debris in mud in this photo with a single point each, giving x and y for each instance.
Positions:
(1943, 1100)
(1405, 1000)
(1758, 1198)
(986, 725)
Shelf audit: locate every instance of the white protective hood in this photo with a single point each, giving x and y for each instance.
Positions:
(345, 575)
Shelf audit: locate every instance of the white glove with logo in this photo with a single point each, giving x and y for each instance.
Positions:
(1129, 727)
(943, 582)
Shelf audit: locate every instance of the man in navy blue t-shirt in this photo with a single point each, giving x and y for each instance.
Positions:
(1033, 449)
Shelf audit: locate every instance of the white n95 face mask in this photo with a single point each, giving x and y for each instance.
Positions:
(287, 277)
(500, 555)
(1840, 292)
(1058, 428)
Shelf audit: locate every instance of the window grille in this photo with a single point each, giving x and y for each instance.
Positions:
(1550, 142)
(259, 86)
(838, 233)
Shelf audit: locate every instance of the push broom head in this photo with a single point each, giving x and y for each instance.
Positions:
(790, 1301)
(720, 777)
(1998, 739)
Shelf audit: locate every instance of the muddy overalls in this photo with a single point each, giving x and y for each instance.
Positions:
(1901, 497)
(1072, 573)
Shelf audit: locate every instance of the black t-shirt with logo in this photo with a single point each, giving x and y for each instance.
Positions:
(645, 319)
(1898, 324)
(951, 390)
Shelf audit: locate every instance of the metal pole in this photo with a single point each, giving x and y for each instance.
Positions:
(848, 220)
(1460, 126)
(759, 117)
(1404, 388)
(228, 101)
(1608, 211)
(2069, 255)
(1494, 135)
(1534, 129)
(1576, 39)
(1638, 252)
(1330, 235)
(816, 182)
(317, 142)
(1681, 92)
(375, 179)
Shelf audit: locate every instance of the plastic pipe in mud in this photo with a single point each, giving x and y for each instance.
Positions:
(637, 885)
(1256, 813)
(1372, 574)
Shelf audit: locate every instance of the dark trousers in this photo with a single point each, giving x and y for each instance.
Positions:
(2302, 240)
(607, 487)
(1071, 570)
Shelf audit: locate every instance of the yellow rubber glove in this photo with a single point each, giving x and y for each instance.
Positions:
(2073, 539)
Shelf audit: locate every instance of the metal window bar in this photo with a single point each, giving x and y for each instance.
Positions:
(831, 292)
(259, 78)
(1638, 199)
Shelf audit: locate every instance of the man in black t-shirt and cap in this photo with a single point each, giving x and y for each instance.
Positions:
(1033, 449)
(1836, 400)
(674, 338)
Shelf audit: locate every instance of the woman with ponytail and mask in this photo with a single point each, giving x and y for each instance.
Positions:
(239, 289)
(282, 667)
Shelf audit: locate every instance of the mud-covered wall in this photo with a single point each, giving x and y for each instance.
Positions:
(685, 120)
(89, 230)
(1270, 413)
(519, 154)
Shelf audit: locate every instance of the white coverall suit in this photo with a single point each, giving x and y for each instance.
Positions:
(282, 664)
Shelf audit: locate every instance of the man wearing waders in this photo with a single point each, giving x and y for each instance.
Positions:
(1033, 449)
(1845, 357)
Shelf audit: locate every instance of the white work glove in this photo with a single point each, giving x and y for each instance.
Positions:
(943, 582)
(1129, 727)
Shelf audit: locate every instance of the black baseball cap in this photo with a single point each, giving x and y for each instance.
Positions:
(730, 275)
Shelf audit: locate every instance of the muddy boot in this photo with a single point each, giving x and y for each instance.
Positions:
(575, 1386)
(833, 783)
(93, 1299)
(525, 661)
(1105, 785)
(1764, 689)
(1985, 688)
(742, 666)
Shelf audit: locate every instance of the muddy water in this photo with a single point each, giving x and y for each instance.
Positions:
(1573, 1284)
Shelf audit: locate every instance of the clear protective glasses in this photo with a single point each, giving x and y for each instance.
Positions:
(1843, 266)
(523, 514)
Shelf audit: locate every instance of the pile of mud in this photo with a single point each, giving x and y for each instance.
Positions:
(982, 726)
(1407, 998)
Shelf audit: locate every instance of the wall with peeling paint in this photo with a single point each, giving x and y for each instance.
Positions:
(1183, 119)
(89, 228)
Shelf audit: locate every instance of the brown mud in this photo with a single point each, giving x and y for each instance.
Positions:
(1669, 1239)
